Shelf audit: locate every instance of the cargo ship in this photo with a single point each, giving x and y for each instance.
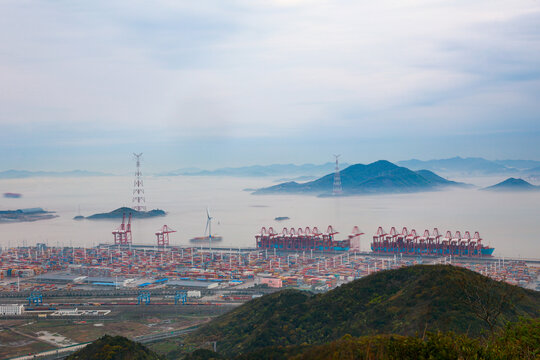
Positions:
(429, 244)
(12, 195)
(307, 239)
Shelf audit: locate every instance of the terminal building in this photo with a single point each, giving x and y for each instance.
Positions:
(11, 309)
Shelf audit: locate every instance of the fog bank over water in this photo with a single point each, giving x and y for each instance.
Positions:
(506, 221)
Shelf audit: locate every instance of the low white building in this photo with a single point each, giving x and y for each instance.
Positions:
(194, 294)
(11, 309)
(79, 279)
(67, 312)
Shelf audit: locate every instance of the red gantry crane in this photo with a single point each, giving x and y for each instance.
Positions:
(163, 236)
(122, 235)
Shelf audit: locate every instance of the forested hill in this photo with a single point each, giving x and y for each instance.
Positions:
(512, 184)
(114, 348)
(125, 211)
(519, 341)
(376, 178)
(405, 301)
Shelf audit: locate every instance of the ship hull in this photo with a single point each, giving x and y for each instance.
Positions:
(206, 239)
(485, 252)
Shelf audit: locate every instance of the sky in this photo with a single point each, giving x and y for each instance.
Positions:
(210, 83)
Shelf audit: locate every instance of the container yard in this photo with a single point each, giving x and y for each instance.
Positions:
(142, 290)
(71, 270)
(303, 258)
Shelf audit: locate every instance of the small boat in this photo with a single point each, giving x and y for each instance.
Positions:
(206, 239)
(210, 238)
(12, 195)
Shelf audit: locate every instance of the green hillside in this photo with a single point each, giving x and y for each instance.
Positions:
(406, 301)
(520, 340)
(114, 348)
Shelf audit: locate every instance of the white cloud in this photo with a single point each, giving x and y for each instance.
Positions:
(279, 68)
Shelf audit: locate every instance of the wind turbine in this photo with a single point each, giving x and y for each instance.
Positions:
(208, 228)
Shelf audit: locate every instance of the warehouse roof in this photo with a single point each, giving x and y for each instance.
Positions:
(189, 283)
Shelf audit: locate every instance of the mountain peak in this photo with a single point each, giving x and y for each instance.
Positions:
(381, 176)
(513, 184)
(383, 163)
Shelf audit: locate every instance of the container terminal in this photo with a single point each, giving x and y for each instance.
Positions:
(173, 289)
(303, 258)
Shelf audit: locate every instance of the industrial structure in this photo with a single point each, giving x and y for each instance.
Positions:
(163, 236)
(138, 190)
(35, 298)
(337, 190)
(430, 244)
(180, 296)
(131, 271)
(307, 239)
(144, 297)
(122, 235)
(207, 238)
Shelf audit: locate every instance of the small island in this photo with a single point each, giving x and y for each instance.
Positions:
(281, 218)
(513, 184)
(380, 177)
(120, 212)
(22, 215)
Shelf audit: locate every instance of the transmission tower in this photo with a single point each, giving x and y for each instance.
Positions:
(337, 179)
(138, 190)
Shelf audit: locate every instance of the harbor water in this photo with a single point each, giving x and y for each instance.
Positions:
(507, 221)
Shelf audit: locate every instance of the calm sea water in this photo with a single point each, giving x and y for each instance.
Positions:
(509, 222)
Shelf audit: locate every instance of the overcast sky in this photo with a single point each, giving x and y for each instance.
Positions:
(83, 84)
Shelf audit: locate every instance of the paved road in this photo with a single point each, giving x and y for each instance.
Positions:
(145, 339)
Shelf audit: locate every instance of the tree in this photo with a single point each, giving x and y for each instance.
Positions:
(487, 299)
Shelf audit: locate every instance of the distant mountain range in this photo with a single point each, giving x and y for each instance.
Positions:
(288, 170)
(533, 174)
(291, 173)
(18, 174)
(513, 184)
(473, 166)
(379, 177)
